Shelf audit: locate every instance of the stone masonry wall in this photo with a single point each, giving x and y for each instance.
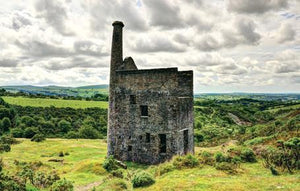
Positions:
(150, 111)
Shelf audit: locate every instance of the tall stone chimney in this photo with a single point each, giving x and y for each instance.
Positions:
(115, 64)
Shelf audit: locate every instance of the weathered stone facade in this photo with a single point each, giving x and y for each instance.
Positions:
(150, 111)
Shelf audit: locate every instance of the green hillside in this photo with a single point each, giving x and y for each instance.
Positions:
(83, 91)
(42, 102)
(241, 144)
(83, 166)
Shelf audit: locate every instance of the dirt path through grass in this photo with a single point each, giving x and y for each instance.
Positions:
(88, 187)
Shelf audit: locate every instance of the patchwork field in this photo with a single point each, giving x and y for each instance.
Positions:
(83, 166)
(43, 102)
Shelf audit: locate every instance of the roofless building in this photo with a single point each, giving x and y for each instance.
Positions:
(150, 111)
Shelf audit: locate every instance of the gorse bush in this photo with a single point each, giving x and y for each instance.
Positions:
(62, 185)
(4, 148)
(8, 139)
(164, 168)
(43, 180)
(242, 154)
(30, 173)
(187, 161)
(220, 157)
(38, 138)
(5, 142)
(248, 155)
(141, 179)
(88, 132)
(227, 167)
(11, 183)
(206, 158)
(117, 173)
(110, 164)
(285, 156)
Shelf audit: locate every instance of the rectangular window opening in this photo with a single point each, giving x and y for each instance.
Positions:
(147, 137)
(144, 110)
(132, 99)
(162, 143)
(129, 148)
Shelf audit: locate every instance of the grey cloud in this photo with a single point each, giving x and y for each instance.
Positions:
(196, 2)
(156, 44)
(285, 62)
(8, 63)
(200, 23)
(246, 28)
(286, 33)
(295, 79)
(89, 48)
(287, 67)
(164, 14)
(212, 59)
(55, 14)
(243, 32)
(103, 13)
(231, 69)
(181, 38)
(21, 19)
(39, 49)
(42, 49)
(208, 43)
(255, 6)
(76, 62)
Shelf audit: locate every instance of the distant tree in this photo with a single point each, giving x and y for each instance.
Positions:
(4, 112)
(47, 127)
(64, 126)
(72, 135)
(38, 138)
(5, 124)
(88, 132)
(198, 125)
(17, 132)
(2, 102)
(28, 121)
(103, 121)
(89, 121)
(30, 132)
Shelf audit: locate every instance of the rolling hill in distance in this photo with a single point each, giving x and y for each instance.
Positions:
(82, 91)
(90, 90)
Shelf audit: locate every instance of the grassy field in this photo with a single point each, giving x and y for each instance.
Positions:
(297, 106)
(83, 165)
(41, 102)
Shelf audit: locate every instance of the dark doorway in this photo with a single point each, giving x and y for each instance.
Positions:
(185, 141)
(147, 137)
(144, 110)
(162, 143)
(132, 99)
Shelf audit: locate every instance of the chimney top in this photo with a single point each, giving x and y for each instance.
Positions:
(118, 23)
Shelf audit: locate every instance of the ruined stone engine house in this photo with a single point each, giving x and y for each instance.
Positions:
(150, 111)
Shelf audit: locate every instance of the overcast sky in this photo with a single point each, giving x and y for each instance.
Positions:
(232, 45)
